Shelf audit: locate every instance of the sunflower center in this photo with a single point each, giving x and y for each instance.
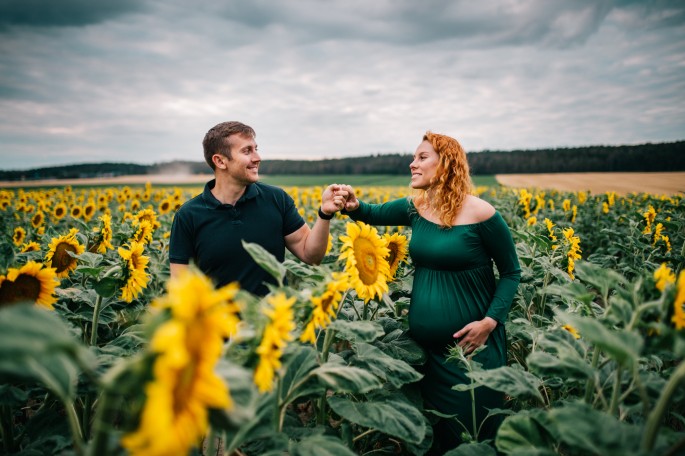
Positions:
(135, 262)
(61, 260)
(24, 288)
(326, 302)
(367, 264)
(393, 253)
(183, 388)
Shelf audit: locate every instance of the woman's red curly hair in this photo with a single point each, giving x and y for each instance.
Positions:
(452, 181)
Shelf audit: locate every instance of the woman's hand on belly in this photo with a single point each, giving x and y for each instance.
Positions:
(475, 334)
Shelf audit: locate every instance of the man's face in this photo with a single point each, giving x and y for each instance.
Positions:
(244, 163)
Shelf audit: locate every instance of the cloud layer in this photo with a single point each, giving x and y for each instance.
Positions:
(142, 82)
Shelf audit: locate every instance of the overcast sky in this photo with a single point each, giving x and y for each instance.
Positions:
(142, 81)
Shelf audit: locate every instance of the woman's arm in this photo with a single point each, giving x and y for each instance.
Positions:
(394, 213)
(500, 246)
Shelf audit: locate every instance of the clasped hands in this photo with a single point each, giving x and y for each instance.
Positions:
(337, 197)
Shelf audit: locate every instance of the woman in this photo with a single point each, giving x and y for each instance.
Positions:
(455, 296)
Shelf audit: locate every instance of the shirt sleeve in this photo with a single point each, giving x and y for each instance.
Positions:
(393, 213)
(181, 239)
(499, 244)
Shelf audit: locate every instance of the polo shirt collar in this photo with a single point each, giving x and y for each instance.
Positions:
(250, 192)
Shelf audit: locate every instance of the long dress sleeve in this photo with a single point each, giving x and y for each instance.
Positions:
(394, 213)
(499, 244)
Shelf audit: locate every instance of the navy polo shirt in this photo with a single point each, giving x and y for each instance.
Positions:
(210, 234)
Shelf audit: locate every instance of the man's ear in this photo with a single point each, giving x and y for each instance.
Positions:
(219, 161)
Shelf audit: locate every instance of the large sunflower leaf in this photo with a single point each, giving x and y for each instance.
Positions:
(36, 345)
(395, 371)
(347, 379)
(320, 445)
(298, 380)
(396, 418)
(266, 260)
(514, 382)
(620, 344)
(358, 330)
(525, 434)
(472, 449)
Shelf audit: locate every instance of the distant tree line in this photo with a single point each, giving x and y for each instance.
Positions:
(644, 157)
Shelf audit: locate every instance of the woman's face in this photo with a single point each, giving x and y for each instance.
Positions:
(424, 166)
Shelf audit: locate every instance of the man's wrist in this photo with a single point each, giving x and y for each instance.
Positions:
(324, 216)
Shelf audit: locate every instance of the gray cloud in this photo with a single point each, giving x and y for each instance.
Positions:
(144, 83)
(63, 13)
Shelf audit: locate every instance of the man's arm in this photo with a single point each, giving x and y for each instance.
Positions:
(176, 269)
(309, 245)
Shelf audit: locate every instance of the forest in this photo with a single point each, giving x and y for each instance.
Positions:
(666, 156)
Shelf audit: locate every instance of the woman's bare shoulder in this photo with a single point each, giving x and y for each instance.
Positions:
(479, 209)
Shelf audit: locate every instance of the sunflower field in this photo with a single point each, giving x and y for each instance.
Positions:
(100, 353)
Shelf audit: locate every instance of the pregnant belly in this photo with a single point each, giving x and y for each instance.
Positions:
(442, 303)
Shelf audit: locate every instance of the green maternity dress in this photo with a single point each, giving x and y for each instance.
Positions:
(454, 284)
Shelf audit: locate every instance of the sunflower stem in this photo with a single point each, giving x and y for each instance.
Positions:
(7, 429)
(98, 307)
(327, 342)
(591, 381)
(98, 445)
(211, 443)
(654, 419)
(96, 317)
(615, 394)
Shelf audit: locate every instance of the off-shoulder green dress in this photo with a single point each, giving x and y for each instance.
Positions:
(454, 284)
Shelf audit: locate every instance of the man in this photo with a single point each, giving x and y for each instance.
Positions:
(208, 230)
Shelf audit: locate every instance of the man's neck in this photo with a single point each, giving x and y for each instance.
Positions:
(228, 191)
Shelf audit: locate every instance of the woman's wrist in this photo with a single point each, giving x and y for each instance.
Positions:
(491, 322)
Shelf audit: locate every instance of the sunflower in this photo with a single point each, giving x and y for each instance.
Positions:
(165, 206)
(573, 251)
(572, 330)
(397, 244)
(663, 276)
(30, 247)
(150, 216)
(136, 277)
(329, 244)
(277, 333)
(104, 239)
(58, 253)
(59, 211)
(31, 282)
(89, 210)
(144, 232)
(76, 211)
(365, 254)
(185, 385)
(19, 236)
(678, 318)
(37, 219)
(325, 306)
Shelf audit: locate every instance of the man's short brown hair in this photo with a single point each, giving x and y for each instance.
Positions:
(216, 139)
